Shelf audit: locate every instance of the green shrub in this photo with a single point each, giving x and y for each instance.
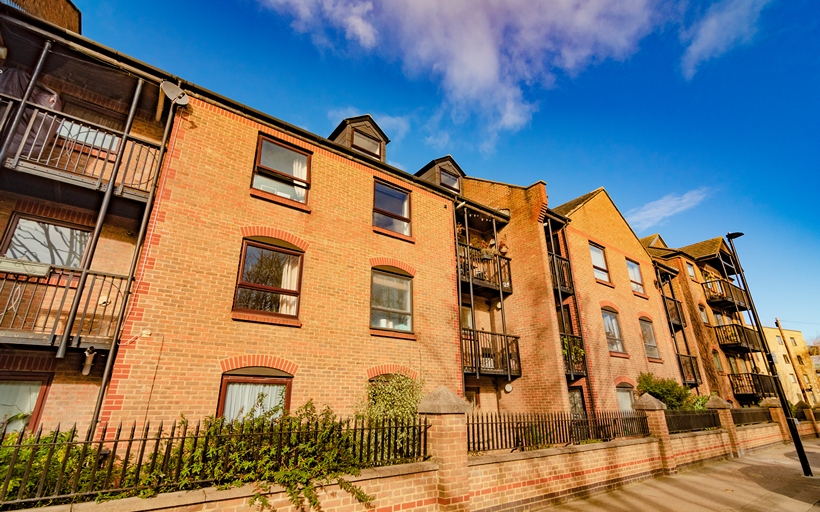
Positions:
(667, 391)
(391, 397)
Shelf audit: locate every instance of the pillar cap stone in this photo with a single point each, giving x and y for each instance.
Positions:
(802, 405)
(715, 402)
(647, 402)
(770, 403)
(443, 401)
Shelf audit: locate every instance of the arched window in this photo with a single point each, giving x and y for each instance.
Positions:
(270, 276)
(649, 341)
(256, 388)
(626, 396)
(613, 330)
(716, 359)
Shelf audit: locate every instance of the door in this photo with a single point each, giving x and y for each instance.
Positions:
(576, 401)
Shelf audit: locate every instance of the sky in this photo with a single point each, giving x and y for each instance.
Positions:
(698, 117)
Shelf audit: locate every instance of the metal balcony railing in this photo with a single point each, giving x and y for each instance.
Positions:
(561, 274)
(484, 265)
(724, 294)
(489, 353)
(738, 338)
(675, 311)
(51, 143)
(572, 348)
(36, 300)
(756, 384)
(691, 371)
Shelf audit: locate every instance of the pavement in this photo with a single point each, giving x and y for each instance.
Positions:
(767, 480)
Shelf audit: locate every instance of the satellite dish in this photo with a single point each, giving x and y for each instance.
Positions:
(174, 93)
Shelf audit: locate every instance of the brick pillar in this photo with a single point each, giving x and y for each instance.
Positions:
(447, 445)
(773, 405)
(810, 417)
(801, 405)
(727, 423)
(656, 417)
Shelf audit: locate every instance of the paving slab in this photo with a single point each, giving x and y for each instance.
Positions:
(769, 480)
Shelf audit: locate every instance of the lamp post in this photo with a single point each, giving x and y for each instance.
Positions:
(784, 403)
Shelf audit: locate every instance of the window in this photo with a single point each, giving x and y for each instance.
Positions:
(22, 396)
(733, 365)
(366, 144)
(473, 397)
(626, 396)
(703, 315)
(794, 343)
(391, 209)
(719, 318)
(613, 331)
(281, 170)
(799, 360)
(691, 270)
(806, 379)
(466, 317)
(791, 376)
(239, 394)
(391, 302)
(634, 270)
(83, 136)
(649, 339)
(44, 241)
(779, 340)
(599, 267)
(269, 279)
(786, 359)
(449, 180)
(716, 359)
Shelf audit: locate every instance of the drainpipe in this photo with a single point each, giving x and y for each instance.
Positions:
(95, 237)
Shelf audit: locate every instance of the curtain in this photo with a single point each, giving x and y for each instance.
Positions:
(300, 171)
(18, 399)
(290, 281)
(242, 396)
(611, 326)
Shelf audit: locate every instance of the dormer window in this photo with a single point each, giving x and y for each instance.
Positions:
(366, 144)
(449, 180)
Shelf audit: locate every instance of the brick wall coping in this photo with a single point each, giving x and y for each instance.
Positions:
(212, 494)
(758, 425)
(499, 458)
(681, 435)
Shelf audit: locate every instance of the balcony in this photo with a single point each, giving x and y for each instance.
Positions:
(690, 370)
(675, 312)
(575, 359)
(754, 384)
(36, 299)
(723, 294)
(561, 274)
(489, 353)
(738, 338)
(489, 270)
(56, 145)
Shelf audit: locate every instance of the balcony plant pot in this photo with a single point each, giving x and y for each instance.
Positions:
(487, 254)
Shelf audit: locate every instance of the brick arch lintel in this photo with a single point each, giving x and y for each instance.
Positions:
(249, 231)
(386, 369)
(644, 314)
(393, 262)
(232, 363)
(623, 379)
(611, 305)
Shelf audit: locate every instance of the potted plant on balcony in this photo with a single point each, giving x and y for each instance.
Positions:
(502, 247)
(572, 352)
(487, 250)
(460, 235)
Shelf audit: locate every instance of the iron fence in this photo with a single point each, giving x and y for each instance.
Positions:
(691, 421)
(59, 467)
(511, 431)
(751, 415)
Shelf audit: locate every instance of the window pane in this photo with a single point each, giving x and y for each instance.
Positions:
(625, 398)
(703, 315)
(793, 342)
(391, 303)
(613, 332)
(450, 180)
(385, 222)
(279, 187)
(598, 258)
(266, 301)
(81, 135)
(240, 397)
(271, 268)
(716, 358)
(17, 402)
(779, 339)
(635, 276)
(47, 243)
(691, 269)
(366, 143)
(466, 317)
(649, 340)
(600, 274)
(283, 160)
(392, 200)
(389, 320)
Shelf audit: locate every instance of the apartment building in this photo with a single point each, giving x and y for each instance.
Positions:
(794, 365)
(716, 311)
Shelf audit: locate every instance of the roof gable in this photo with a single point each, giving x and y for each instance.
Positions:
(365, 123)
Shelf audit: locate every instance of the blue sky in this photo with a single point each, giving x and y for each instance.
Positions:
(713, 107)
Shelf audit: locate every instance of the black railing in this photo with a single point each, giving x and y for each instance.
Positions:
(510, 431)
(675, 311)
(484, 265)
(755, 384)
(489, 353)
(740, 338)
(723, 293)
(751, 415)
(82, 150)
(690, 368)
(36, 301)
(59, 467)
(691, 421)
(561, 274)
(575, 359)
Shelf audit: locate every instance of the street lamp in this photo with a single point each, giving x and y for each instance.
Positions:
(790, 421)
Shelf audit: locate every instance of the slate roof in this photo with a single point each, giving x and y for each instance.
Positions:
(705, 248)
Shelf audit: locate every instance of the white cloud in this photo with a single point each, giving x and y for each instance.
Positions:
(653, 213)
(396, 127)
(726, 24)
